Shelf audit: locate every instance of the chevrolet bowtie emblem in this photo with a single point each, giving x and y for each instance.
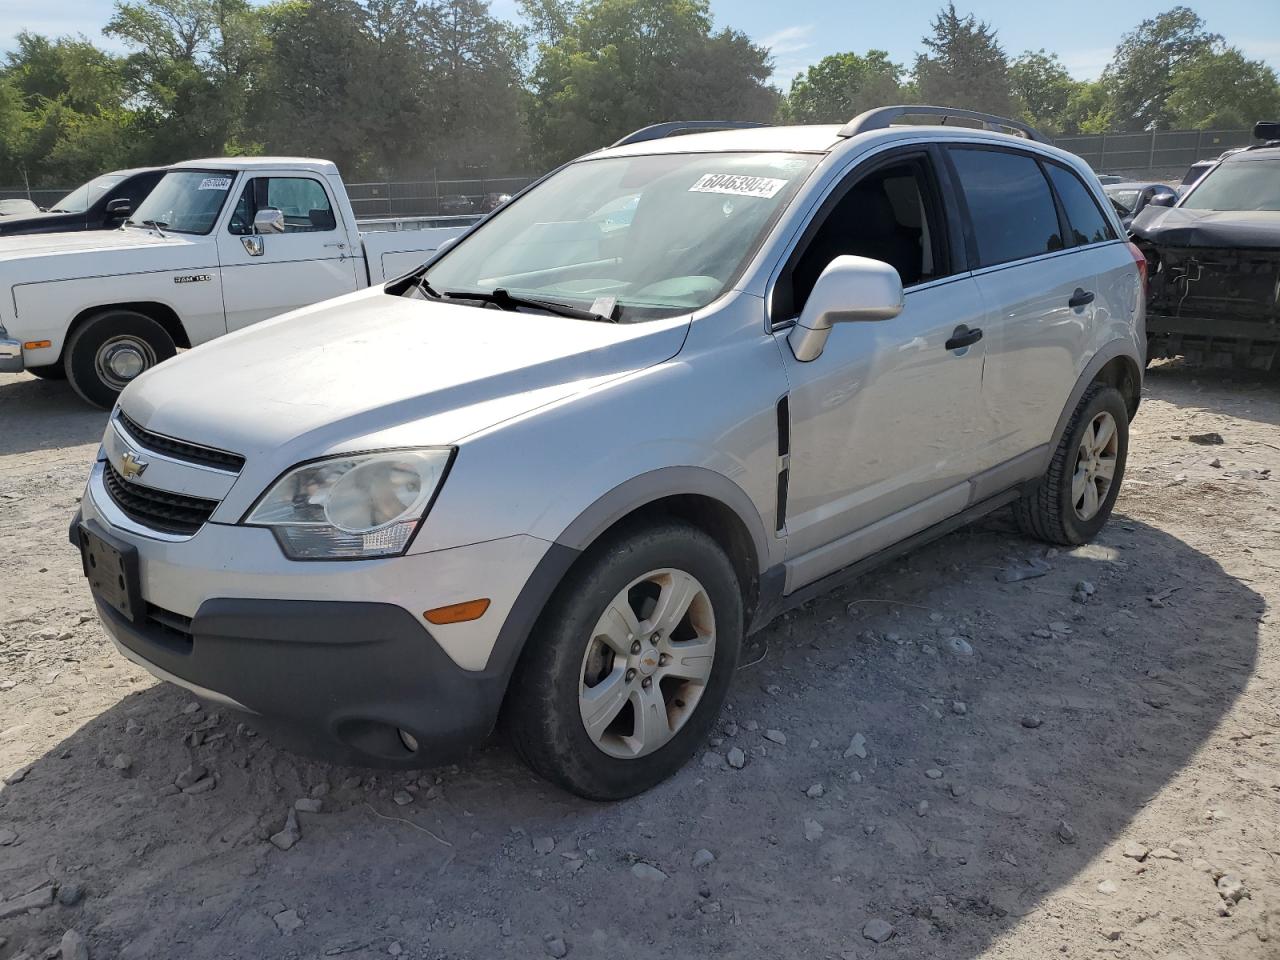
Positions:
(131, 466)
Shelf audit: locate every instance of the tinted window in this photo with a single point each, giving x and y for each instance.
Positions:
(1087, 222)
(1010, 205)
(303, 202)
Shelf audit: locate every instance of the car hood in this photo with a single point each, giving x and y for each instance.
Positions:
(1179, 227)
(372, 370)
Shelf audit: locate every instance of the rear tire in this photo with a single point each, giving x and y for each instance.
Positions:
(613, 650)
(110, 350)
(54, 371)
(1074, 499)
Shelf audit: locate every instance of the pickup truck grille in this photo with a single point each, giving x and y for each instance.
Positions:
(157, 509)
(181, 449)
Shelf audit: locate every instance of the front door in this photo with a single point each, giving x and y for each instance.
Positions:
(263, 276)
(884, 426)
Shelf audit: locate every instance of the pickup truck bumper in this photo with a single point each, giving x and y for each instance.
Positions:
(10, 354)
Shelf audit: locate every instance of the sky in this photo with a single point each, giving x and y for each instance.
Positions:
(801, 32)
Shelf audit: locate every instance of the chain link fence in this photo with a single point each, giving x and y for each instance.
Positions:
(1157, 155)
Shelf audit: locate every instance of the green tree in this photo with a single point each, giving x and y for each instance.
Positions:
(1223, 89)
(1042, 84)
(1142, 73)
(62, 112)
(191, 71)
(1090, 109)
(965, 65)
(622, 64)
(841, 86)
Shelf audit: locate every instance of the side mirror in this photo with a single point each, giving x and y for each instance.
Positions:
(119, 207)
(268, 220)
(1162, 199)
(850, 289)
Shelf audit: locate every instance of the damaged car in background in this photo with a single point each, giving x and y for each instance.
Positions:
(1214, 263)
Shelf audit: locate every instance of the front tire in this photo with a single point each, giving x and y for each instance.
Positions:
(629, 664)
(1074, 499)
(110, 350)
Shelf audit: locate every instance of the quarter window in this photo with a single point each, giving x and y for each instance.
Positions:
(1087, 223)
(303, 202)
(1010, 206)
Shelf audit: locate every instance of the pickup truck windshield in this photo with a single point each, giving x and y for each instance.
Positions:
(86, 195)
(660, 235)
(1238, 185)
(186, 201)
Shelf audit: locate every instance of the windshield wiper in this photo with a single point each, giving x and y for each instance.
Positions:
(505, 300)
(153, 224)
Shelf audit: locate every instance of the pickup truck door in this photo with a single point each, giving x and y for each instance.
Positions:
(313, 259)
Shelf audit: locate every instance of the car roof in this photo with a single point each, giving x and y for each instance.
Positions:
(1253, 153)
(311, 164)
(815, 138)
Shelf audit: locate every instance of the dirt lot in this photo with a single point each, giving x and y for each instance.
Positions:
(988, 769)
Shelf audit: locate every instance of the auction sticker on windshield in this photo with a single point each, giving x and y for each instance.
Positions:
(215, 183)
(738, 185)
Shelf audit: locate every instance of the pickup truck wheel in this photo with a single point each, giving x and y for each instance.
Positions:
(1074, 500)
(110, 350)
(629, 664)
(54, 371)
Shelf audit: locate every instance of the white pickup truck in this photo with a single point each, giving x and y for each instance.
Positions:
(218, 245)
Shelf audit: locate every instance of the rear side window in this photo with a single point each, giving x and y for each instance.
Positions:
(1010, 205)
(1088, 225)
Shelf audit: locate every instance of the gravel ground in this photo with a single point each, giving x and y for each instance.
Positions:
(931, 763)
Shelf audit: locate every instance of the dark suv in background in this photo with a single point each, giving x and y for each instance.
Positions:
(103, 203)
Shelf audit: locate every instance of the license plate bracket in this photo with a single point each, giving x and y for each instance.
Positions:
(112, 569)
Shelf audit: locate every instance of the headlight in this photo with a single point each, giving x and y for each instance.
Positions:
(352, 507)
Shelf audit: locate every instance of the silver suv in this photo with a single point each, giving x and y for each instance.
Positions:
(558, 473)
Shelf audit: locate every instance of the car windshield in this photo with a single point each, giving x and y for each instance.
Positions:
(1238, 185)
(186, 201)
(86, 195)
(1125, 198)
(658, 235)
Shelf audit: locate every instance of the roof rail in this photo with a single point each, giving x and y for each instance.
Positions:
(675, 128)
(883, 117)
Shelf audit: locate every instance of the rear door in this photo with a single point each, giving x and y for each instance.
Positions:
(1039, 292)
(267, 275)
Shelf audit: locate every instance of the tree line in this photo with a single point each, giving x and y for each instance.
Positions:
(402, 88)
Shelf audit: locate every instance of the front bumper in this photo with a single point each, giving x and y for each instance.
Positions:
(334, 656)
(345, 680)
(10, 354)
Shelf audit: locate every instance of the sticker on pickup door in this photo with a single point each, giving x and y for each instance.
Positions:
(193, 278)
(738, 185)
(215, 183)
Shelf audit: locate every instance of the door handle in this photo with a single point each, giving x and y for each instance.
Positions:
(963, 337)
(1080, 298)
(339, 245)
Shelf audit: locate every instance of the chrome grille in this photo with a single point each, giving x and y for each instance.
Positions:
(181, 449)
(157, 509)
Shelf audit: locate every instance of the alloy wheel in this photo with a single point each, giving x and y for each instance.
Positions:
(1095, 466)
(647, 663)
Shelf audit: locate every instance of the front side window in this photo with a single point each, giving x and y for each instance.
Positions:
(186, 201)
(658, 235)
(889, 215)
(1010, 205)
(1238, 184)
(86, 195)
(1088, 225)
(303, 201)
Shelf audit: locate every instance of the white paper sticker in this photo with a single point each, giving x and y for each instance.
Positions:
(215, 183)
(738, 185)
